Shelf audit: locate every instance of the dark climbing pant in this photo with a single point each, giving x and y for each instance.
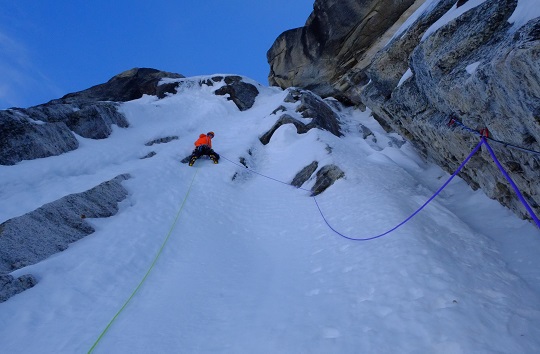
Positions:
(204, 150)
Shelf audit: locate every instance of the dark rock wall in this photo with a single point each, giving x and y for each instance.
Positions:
(336, 38)
(32, 237)
(47, 130)
(243, 94)
(10, 286)
(22, 138)
(129, 85)
(475, 68)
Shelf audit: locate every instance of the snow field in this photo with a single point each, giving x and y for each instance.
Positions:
(250, 266)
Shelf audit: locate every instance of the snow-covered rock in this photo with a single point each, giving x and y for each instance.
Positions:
(475, 61)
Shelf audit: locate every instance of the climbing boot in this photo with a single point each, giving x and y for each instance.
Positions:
(192, 161)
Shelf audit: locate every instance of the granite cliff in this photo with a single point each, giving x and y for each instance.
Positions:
(420, 65)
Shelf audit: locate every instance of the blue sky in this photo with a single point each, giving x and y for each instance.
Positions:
(51, 48)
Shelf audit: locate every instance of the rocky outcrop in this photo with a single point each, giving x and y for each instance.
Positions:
(89, 120)
(324, 178)
(322, 115)
(10, 286)
(127, 86)
(301, 128)
(474, 67)
(243, 94)
(32, 237)
(47, 130)
(312, 107)
(164, 140)
(304, 174)
(334, 47)
(22, 138)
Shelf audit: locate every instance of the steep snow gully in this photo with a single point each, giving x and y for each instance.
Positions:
(217, 258)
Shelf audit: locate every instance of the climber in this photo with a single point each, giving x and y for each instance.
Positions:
(203, 146)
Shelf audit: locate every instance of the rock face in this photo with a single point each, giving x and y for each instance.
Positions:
(311, 106)
(325, 177)
(476, 68)
(32, 237)
(10, 286)
(47, 130)
(127, 86)
(334, 45)
(23, 138)
(243, 94)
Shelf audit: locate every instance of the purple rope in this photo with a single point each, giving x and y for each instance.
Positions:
(394, 228)
(482, 141)
(516, 189)
(414, 214)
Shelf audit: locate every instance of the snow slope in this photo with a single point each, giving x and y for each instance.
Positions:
(247, 265)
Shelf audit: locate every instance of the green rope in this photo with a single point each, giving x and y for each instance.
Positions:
(149, 269)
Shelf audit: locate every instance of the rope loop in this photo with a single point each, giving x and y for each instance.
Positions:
(395, 227)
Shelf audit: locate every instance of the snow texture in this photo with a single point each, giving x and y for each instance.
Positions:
(249, 265)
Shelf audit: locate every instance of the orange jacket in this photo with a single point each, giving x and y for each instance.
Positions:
(204, 140)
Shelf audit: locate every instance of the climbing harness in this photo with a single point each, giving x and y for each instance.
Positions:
(149, 269)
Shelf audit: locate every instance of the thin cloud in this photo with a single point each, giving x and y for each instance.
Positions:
(20, 78)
